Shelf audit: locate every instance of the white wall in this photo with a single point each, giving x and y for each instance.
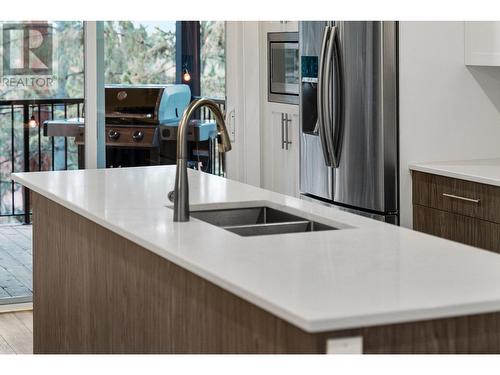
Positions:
(242, 95)
(447, 110)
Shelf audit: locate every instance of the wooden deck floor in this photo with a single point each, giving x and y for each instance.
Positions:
(16, 332)
(16, 261)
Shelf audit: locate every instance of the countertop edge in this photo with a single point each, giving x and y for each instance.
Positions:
(402, 317)
(447, 173)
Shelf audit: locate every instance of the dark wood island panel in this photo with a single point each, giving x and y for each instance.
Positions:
(97, 292)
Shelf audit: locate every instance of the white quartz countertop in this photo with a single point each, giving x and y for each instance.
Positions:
(485, 171)
(368, 273)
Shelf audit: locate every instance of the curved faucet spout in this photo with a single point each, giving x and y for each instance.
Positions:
(181, 190)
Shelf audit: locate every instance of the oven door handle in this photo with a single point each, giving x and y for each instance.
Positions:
(320, 125)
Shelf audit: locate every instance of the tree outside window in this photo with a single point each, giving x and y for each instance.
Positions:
(213, 59)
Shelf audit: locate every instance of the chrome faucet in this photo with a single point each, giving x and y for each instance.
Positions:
(180, 194)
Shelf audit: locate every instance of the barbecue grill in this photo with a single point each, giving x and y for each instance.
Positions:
(133, 116)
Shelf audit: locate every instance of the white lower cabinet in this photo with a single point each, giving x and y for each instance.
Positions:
(281, 149)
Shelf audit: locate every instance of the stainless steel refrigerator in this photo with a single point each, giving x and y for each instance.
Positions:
(349, 152)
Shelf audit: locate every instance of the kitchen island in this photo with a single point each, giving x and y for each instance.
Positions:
(114, 274)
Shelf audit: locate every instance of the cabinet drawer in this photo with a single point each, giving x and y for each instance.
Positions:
(458, 196)
(455, 227)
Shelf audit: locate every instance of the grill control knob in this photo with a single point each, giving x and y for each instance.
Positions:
(113, 134)
(138, 136)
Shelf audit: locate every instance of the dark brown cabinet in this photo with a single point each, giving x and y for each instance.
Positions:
(458, 210)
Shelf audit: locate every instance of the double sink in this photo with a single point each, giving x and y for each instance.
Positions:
(259, 221)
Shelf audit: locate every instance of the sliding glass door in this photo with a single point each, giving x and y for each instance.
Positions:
(41, 78)
(52, 77)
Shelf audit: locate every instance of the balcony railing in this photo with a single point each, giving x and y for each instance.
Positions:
(24, 148)
(205, 113)
(218, 159)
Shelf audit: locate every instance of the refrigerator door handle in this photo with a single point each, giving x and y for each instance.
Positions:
(337, 121)
(320, 103)
(328, 126)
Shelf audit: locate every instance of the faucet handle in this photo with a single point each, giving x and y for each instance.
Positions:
(171, 196)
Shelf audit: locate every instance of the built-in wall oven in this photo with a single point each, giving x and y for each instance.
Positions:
(283, 67)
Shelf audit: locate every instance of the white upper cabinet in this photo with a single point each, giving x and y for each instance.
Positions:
(292, 26)
(482, 43)
(282, 26)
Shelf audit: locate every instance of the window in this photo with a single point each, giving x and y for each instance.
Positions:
(39, 60)
(140, 52)
(213, 59)
(135, 53)
(62, 41)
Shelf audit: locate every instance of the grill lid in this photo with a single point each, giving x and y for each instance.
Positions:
(145, 104)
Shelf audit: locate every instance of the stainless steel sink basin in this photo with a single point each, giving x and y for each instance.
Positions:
(259, 221)
(244, 216)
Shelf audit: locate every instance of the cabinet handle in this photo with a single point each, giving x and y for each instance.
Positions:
(286, 131)
(282, 131)
(461, 198)
(287, 121)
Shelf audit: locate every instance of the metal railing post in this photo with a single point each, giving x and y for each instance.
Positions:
(26, 155)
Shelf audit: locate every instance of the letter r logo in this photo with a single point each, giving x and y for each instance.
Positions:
(27, 49)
